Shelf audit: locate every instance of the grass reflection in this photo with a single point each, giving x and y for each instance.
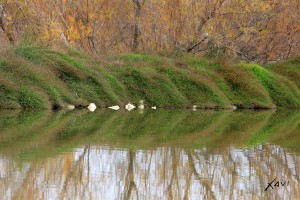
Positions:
(39, 133)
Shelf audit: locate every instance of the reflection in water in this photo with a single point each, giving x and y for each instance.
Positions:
(154, 155)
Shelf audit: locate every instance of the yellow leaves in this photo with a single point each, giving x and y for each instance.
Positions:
(184, 36)
(264, 6)
(77, 30)
(9, 18)
(89, 30)
(108, 14)
(54, 31)
(91, 16)
(73, 33)
(247, 9)
(71, 19)
(45, 35)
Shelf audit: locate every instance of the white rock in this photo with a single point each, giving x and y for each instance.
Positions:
(234, 107)
(194, 107)
(154, 107)
(115, 107)
(129, 107)
(141, 106)
(92, 107)
(70, 107)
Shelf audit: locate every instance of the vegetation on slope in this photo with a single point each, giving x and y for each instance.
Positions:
(34, 77)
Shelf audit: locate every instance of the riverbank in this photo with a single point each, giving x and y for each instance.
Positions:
(38, 78)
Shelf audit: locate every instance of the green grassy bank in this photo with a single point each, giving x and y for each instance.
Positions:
(33, 77)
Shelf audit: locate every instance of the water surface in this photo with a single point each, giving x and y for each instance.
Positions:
(149, 155)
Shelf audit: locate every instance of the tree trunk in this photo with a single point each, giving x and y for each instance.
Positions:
(138, 4)
(7, 33)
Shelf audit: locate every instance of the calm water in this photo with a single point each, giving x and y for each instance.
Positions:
(150, 155)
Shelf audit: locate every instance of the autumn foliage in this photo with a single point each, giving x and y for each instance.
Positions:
(253, 30)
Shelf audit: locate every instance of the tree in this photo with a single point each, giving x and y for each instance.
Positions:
(3, 18)
(254, 30)
(137, 4)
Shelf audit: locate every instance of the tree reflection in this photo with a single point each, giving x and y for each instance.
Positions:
(80, 156)
(130, 185)
(183, 174)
